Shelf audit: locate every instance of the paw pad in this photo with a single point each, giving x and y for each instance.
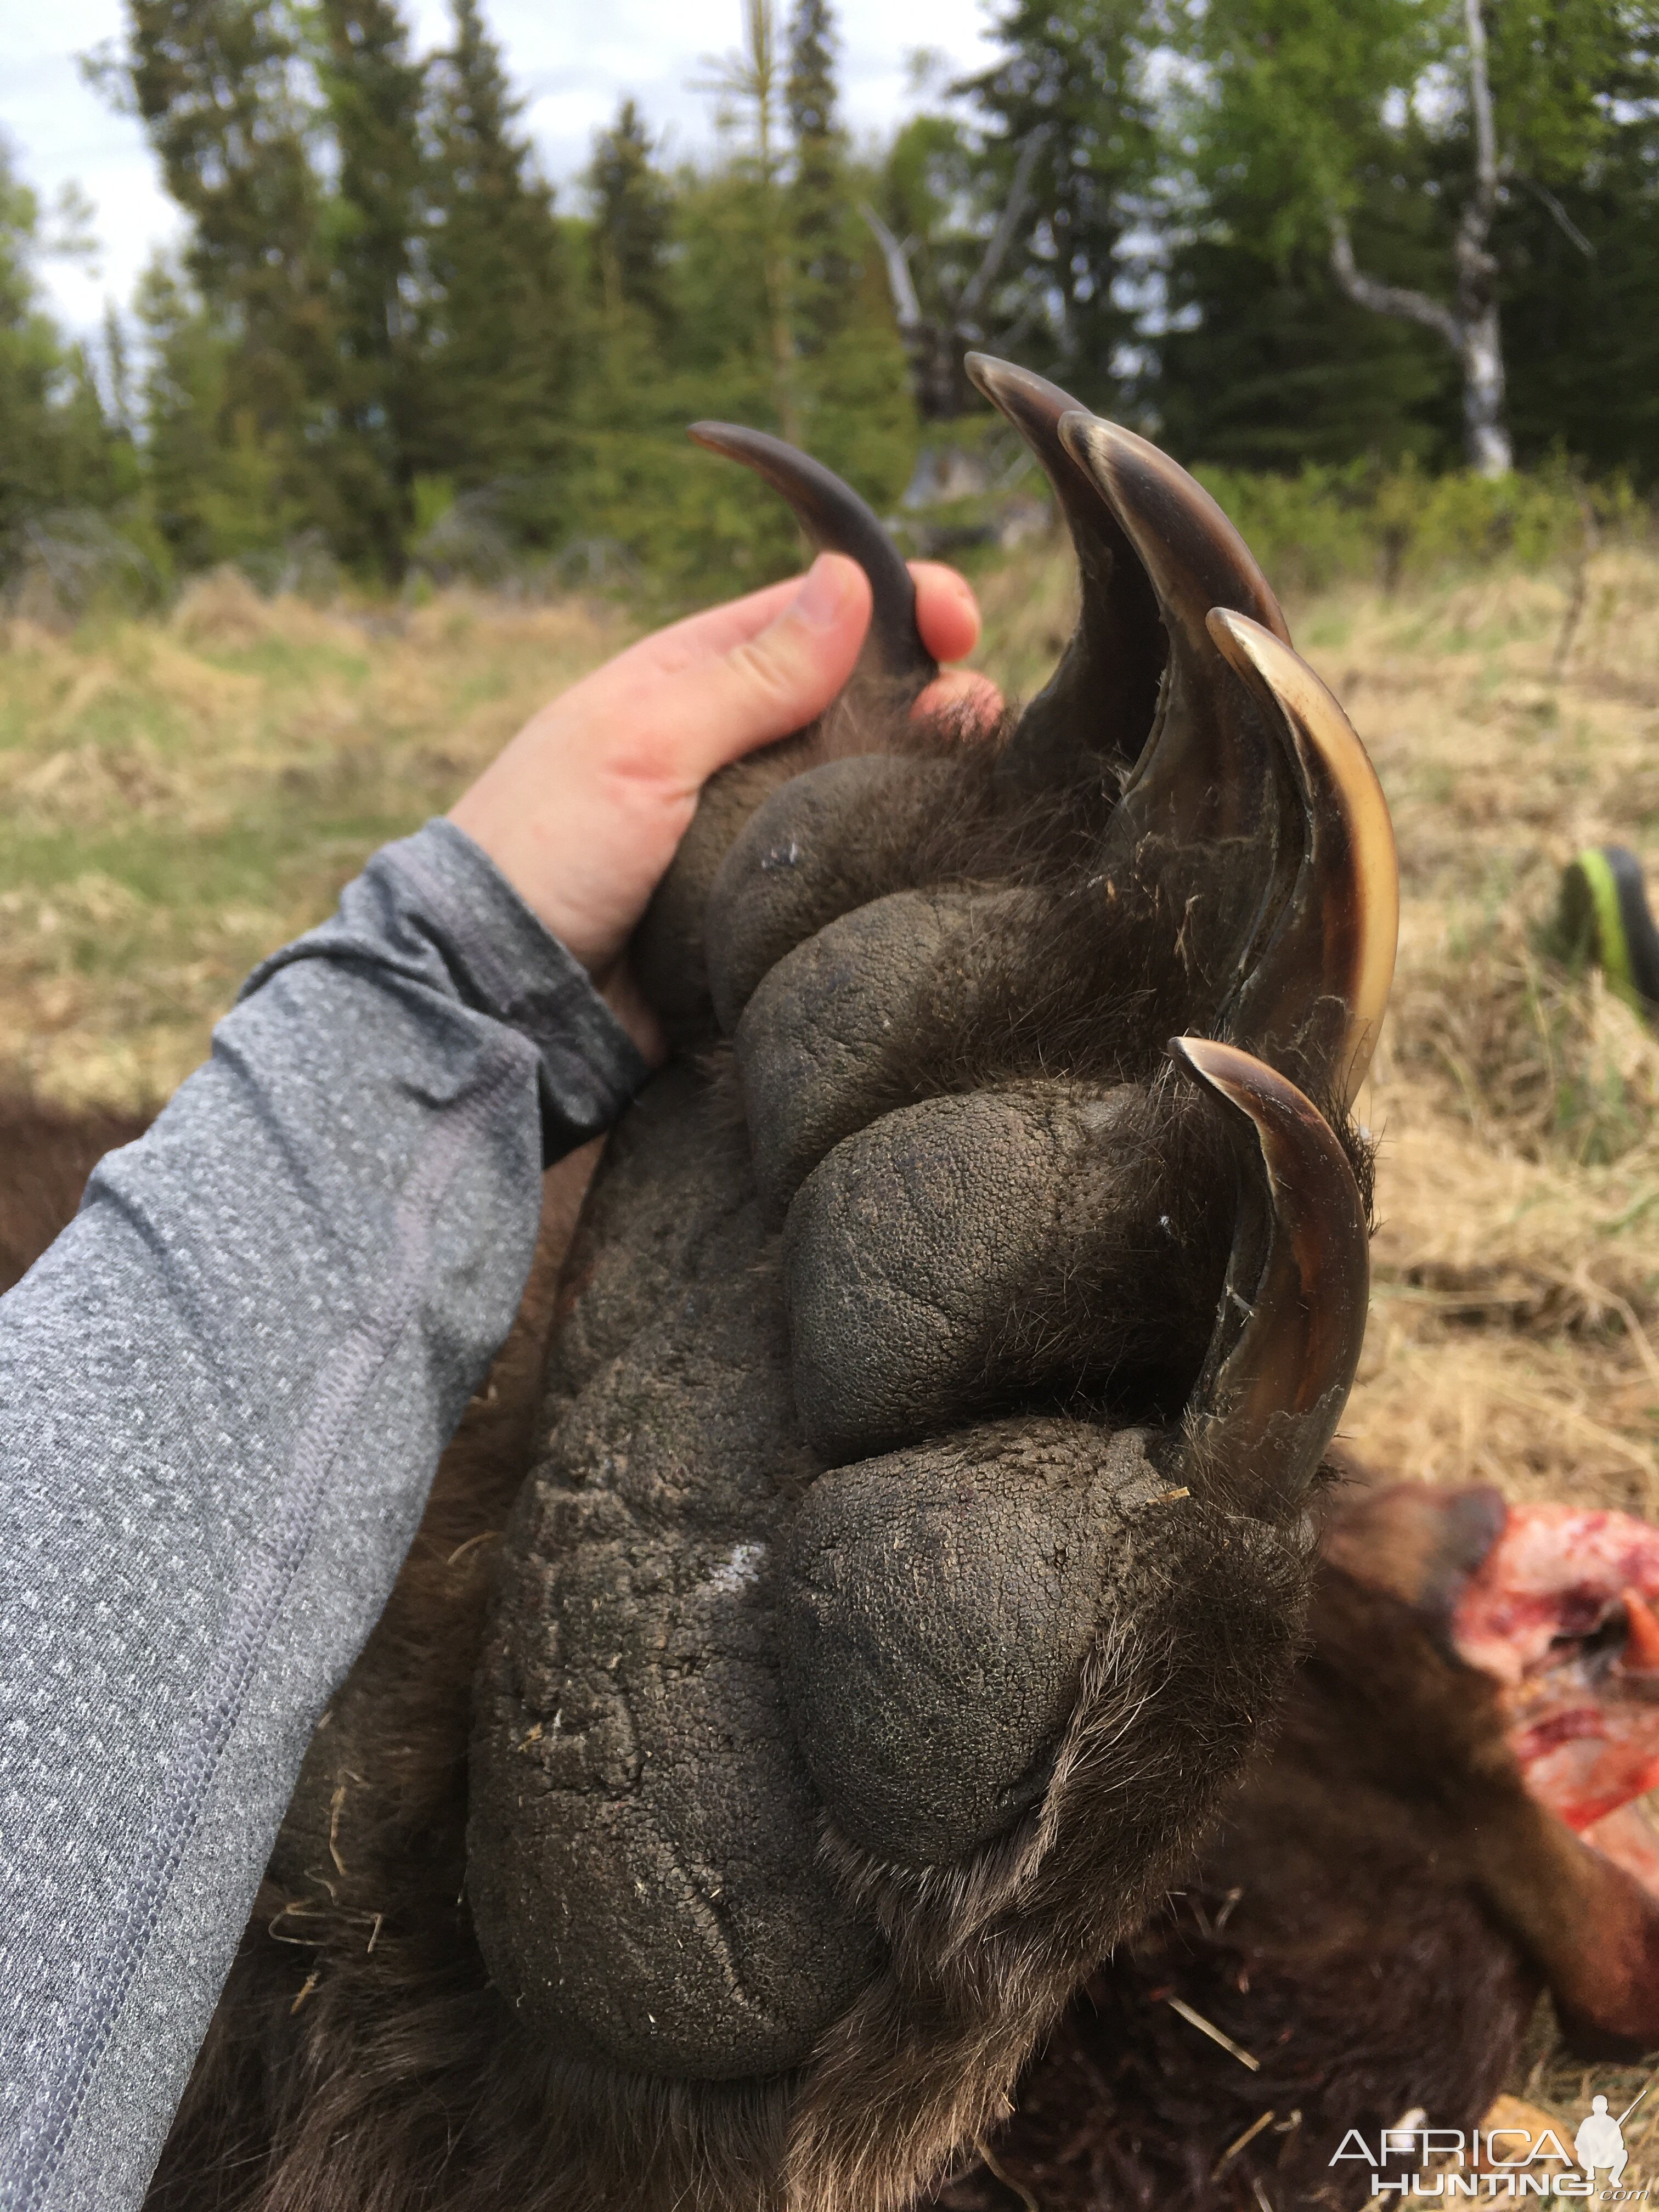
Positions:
(998, 1338)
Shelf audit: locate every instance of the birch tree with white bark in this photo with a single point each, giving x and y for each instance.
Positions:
(1469, 322)
(1391, 135)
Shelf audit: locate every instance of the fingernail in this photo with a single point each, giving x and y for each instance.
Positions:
(819, 601)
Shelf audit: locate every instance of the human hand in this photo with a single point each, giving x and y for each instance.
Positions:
(582, 811)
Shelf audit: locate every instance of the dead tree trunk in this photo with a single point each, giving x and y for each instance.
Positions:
(1470, 326)
(935, 344)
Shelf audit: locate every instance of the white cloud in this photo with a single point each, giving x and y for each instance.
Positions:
(573, 58)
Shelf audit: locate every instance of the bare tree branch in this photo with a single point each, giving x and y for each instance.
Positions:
(1481, 345)
(1483, 203)
(1563, 220)
(934, 341)
(900, 282)
(1472, 327)
(1008, 222)
(1388, 299)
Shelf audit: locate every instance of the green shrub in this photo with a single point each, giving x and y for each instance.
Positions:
(1388, 525)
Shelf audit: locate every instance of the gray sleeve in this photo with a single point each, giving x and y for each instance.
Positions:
(223, 1392)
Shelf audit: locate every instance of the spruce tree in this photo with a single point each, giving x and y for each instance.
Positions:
(1263, 363)
(1581, 336)
(632, 214)
(825, 275)
(373, 94)
(215, 82)
(218, 487)
(1073, 153)
(754, 79)
(498, 364)
(55, 444)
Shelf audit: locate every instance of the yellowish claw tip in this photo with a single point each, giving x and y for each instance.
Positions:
(1259, 1091)
(1349, 900)
(1217, 1065)
(1304, 1162)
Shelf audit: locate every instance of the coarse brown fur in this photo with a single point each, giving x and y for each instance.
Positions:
(1342, 1927)
(46, 1153)
(388, 2081)
(1326, 1931)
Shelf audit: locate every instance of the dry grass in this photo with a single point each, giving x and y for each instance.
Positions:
(176, 799)
(1517, 1268)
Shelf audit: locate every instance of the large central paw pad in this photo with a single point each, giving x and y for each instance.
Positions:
(915, 1541)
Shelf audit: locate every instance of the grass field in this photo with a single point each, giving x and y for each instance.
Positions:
(177, 799)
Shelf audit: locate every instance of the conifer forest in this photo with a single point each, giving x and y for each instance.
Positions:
(1325, 250)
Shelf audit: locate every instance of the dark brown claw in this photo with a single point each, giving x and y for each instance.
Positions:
(836, 520)
(1195, 558)
(1103, 696)
(1292, 1318)
(670, 955)
(1207, 808)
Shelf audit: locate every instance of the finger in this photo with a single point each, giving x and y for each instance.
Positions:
(694, 638)
(762, 687)
(968, 699)
(947, 613)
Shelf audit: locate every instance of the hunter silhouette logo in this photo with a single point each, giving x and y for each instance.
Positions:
(1601, 2142)
(1416, 2160)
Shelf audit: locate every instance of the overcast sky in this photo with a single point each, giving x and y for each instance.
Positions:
(572, 57)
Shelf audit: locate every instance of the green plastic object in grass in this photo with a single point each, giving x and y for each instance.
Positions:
(1603, 916)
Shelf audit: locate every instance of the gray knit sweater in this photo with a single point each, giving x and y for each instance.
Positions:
(223, 1392)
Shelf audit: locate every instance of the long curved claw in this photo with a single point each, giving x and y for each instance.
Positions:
(1313, 1001)
(1272, 1388)
(1101, 698)
(1210, 810)
(836, 520)
(1195, 558)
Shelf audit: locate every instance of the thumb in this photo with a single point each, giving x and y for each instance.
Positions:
(765, 686)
